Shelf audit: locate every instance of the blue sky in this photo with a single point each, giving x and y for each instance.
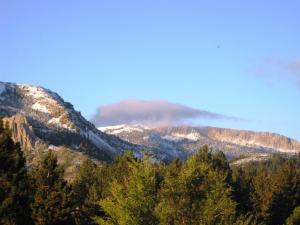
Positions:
(235, 58)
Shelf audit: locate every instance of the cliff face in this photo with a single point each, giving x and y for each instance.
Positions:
(250, 138)
(184, 140)
(22, 132)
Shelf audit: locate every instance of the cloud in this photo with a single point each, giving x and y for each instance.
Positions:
(294, 68)
(155, 113)
(282, 70)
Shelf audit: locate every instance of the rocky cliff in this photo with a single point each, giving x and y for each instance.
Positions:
(40, 118)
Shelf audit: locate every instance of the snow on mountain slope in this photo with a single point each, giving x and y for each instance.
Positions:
(121, 128)
(40, 117)
(255, 139)
(234, 143)
(38, 106)
(179, 137)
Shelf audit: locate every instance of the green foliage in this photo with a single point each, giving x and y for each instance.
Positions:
(197, 193)
(241, 184)
(262, 195)
(294, 218)
(276, 192)
(14, 191)
(88, 189)
(132, 200)
(202, 190)
(52, 195)
(286, 189)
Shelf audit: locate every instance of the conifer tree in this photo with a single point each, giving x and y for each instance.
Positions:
(52, 194)
(198, 194)
(14, 191)
(276, 192)
(88, 190)
(132, 200)
(286, 191)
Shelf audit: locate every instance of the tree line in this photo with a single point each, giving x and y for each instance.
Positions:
(204, 189)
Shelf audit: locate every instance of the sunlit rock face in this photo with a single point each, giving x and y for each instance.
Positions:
(40, 118)
(185, 140)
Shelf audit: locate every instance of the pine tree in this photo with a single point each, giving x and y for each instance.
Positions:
(197, 194)
(132, 200)
(52, 195)
(286, 192)
(88, 190)
(262, 195)
(14, 187)
(276, 192)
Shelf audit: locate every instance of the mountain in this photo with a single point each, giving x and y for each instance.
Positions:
(40, 120)
(182, 141)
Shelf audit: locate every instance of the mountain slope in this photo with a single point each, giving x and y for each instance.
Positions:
(234, 143)
(40, 118)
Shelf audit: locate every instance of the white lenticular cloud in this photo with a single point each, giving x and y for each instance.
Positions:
(154, 112)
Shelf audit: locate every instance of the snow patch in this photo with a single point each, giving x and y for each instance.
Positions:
(104, 129)
(172, 138)
(56, 121)
(121, 128)
(98, 141)
(40, 107)
(179, 137)
(37, 92)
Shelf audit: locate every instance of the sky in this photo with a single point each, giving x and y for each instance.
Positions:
(236, 59)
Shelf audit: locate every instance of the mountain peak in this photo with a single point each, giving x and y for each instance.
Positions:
(42, 116)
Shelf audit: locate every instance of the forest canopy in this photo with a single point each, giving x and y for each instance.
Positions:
(204, 189)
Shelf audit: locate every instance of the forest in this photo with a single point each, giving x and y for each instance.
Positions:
(204, 189)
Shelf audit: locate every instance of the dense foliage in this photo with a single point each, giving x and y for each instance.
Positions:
(204, 189)
(52, 196)
(14, 182)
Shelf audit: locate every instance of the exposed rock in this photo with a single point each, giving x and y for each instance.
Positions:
(183, 140)
(22, 132)
(40, 118)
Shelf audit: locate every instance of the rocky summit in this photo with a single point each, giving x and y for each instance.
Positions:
(40, 120)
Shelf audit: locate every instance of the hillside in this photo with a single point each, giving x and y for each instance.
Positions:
(183, 140)
(40, 120)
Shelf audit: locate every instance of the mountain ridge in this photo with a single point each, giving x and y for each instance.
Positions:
(38, 116)
(189, 138)
(41, 119)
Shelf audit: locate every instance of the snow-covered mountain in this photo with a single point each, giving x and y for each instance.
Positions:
(184, 140)
(41, 119)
